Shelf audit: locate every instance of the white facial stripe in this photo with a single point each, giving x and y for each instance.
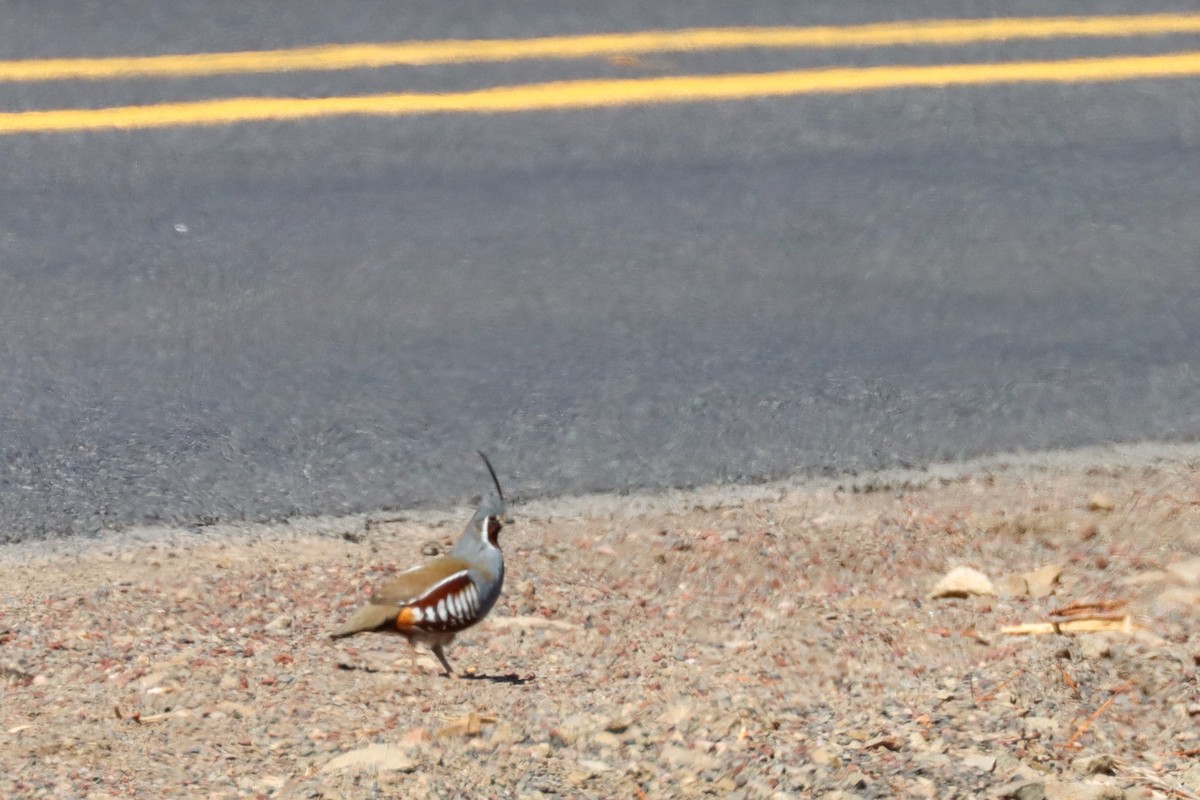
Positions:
(483, 533)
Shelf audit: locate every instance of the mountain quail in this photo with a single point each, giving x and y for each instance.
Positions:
(430, 603)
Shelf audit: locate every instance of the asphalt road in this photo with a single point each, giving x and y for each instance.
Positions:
(269, 319)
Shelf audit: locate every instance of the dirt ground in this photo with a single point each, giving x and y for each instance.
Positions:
(770, 641)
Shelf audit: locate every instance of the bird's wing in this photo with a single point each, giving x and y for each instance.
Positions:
(410, 586)
(386, 607)
(447, 606)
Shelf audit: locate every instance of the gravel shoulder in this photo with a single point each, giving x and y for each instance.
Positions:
(770, 641)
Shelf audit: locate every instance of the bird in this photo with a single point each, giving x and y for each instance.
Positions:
(432, 602)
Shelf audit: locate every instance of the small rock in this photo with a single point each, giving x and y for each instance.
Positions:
(1191, 778)
(617, 725)
(606, 739)
(416, 736)
(1071, 790)
(1095, 646)
(1103, 764)
(1186, 571)
(1100, 502)
(1177, 598)
(381, 757)
(683, 757)
(676, 714)
(924, 788)
(963, 582)
(1147, 577)
(431, 549)
(981, 762)
(279, 624)
(1025, 789)
(236, 710)
(887, 742)
(1043, 725)
(1012, 586)
(592, 766)
(268, 784)
(855, 779)
(825, 757)
(1042, 581)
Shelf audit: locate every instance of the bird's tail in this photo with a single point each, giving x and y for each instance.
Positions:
(367, 618)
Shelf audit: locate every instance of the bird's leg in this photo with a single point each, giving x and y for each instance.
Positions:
(437, 651)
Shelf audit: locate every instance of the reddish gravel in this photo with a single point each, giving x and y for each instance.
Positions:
(779, 641)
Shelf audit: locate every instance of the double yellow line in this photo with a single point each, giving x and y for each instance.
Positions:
(601, 93)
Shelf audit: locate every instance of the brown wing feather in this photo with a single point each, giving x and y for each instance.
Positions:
(409, 586)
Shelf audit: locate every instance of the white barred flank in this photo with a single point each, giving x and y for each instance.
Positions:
(439, 610)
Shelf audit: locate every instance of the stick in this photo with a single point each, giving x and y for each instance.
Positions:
(1087, 723)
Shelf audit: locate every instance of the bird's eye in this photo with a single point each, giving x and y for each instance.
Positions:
(493, 528)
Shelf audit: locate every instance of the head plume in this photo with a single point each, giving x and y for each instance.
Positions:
(491, 506)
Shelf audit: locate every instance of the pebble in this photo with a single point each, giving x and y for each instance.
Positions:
(1023, 789)
(1094, 765)
(606, 739)
(279, 624)
(825, 757)
(1042, 581)
(1072, 790)
(381, 757)
(1191, 778)
(979, 761)
(963, 582)
(1012, 586)
(688, 757)
(1187, 572)
(1096, 645)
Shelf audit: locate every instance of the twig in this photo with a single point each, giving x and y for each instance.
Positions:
(1087, 608)
(1123, 624)
(1067, 679)
(1087, 723)
(1001, 686)
(1152, 780)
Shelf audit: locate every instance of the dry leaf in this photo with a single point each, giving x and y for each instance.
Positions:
(469, 725)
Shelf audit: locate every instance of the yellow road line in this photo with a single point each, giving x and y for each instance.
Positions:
(366, 56)
(606, 93)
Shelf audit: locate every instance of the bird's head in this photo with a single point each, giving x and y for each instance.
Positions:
(489, 518)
